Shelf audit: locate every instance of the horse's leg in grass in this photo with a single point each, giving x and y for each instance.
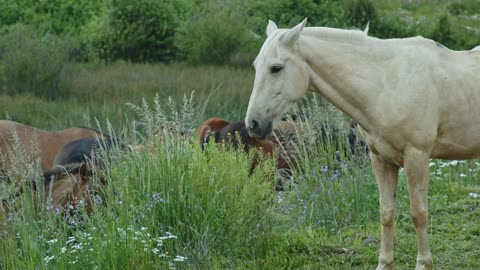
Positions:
(416, 170)
(387, 179)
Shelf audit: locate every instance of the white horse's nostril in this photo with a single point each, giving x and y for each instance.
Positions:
(254, 125)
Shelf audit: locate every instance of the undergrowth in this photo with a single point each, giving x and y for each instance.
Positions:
(175, 206)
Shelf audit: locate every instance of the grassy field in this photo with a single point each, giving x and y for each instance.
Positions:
(176, 207)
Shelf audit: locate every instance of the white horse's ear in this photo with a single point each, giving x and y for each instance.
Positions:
(271, 27)
(294, 33)
(367, 28)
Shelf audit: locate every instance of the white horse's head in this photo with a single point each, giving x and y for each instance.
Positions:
(281, 78)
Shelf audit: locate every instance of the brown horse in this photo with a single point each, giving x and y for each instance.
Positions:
(67, 187)
(71, 181)
(236, 135)
(37, 143)
(65, 190)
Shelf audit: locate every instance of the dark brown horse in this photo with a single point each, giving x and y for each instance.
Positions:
(236, 135)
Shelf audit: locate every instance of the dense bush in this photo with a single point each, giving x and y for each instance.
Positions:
(31, 63)
(360, 12)
(224, 32)
(464, 7)
(144, 30)
(10, 12)
(219, 32)
(57, 17)
(286, 13)
(443, 33)
(212, 32)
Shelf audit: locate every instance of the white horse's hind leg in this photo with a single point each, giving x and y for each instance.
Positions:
(387, 179)
(416, 170)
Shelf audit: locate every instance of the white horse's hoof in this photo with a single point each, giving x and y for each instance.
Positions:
(424, 263)
(421, 266)
(385, 266)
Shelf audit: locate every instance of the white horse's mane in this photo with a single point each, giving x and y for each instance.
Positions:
(359, 36)
(351, 36)
(268, 45)
(337, 35)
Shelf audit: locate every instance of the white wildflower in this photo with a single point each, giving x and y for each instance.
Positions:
(48, 259)
(474, 195)
(453, 162)
(168, 236)
(70, 239)
(53, 241)
(180, 258)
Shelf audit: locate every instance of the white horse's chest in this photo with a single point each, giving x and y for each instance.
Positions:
(380, 146)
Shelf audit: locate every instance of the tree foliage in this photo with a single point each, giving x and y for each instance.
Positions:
(144, 30)
(215, 31)
(30, 63)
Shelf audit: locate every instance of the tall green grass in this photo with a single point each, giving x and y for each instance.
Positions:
(176, 206)
(171, 202)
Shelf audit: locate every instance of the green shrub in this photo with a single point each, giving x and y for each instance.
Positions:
(95, 39)
(443, 33)
(57, 17)
(218, 32)
(463, 7)
(287, 13)
(31, 63)
(212, 32)
(10, 12)
(359, 13)
(214, 211)
(388, 27)
(143, 31)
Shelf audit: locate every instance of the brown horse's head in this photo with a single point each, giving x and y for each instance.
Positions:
(236, 135)
(70, 187)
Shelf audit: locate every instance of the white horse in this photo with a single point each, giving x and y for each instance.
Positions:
(413, 98)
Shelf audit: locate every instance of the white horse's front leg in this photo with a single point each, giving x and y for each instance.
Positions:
(416, 170)
(387, 179)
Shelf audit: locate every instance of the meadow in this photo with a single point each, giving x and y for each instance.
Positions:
(176, 207)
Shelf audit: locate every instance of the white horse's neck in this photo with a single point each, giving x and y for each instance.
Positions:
(346, 68)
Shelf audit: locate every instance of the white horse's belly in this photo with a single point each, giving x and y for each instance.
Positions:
(458, 139)
(444, 149)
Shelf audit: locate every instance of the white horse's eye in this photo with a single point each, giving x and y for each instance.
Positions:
(276, 69)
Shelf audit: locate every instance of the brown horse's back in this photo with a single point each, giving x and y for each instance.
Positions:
(38, 144)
